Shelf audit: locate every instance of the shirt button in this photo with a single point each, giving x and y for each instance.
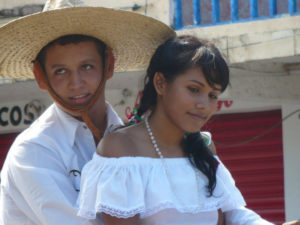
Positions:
(84, 126)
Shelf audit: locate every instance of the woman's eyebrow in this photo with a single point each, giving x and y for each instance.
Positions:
(203, 85)
(216, 89)
(198, 82)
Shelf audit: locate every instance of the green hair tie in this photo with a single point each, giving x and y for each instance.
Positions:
(205, 137)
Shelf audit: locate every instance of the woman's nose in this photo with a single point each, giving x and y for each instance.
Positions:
(202, 102)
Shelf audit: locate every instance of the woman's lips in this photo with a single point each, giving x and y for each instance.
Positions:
(199, 117)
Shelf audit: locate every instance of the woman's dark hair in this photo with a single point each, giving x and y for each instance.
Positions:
(173, 58)
(71, 39)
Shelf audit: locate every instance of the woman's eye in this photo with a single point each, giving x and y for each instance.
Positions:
(193, 89)
(213, 96)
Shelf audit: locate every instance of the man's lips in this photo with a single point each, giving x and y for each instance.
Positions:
(79, 99)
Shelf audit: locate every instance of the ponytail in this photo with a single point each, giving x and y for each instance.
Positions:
(201, 157)
(148, 99)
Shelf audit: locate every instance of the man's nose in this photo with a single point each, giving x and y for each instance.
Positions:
(75, 80)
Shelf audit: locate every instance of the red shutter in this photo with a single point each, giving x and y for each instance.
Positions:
(5, 142)
(257, 167)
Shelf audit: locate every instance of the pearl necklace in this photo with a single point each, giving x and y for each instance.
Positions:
(165, 164)
(153, 139)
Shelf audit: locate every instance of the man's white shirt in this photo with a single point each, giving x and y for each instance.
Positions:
(48, 158)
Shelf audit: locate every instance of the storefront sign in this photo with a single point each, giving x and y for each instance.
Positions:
(224, 104)
(18, 116)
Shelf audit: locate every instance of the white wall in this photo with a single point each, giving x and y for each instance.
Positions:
(8, 4)
(158, 9)
(291, 146)
(121, 91)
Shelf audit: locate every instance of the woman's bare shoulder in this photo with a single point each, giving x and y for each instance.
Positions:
(119, 143)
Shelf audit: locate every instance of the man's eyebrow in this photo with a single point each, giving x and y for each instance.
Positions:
(82, 61)
(89, 60)
(53, 66)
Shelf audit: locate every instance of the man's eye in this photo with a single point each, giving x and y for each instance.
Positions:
(60, 71)
(193, 89)
(87, 67)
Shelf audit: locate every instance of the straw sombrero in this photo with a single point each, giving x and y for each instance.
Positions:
(133, 37)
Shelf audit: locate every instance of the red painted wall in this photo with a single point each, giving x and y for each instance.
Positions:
(5, 142)
(256, 166)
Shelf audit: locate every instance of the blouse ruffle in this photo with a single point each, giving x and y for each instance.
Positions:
(126, 186)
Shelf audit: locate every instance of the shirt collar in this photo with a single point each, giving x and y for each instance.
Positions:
(70, 125)
(113, 120)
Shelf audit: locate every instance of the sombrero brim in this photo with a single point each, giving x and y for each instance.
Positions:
(133, 37)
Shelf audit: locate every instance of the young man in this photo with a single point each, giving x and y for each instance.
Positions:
(71, 52)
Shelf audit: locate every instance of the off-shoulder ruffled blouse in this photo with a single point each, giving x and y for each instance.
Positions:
(126, 186)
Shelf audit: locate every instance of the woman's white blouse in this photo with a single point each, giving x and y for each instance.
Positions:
(126, 186)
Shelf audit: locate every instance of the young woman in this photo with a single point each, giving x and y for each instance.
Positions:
(161, 171)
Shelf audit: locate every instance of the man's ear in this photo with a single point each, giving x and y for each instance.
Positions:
(110, 63)
(39, 76)
(159, 82)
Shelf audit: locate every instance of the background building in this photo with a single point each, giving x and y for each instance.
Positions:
(257, 129)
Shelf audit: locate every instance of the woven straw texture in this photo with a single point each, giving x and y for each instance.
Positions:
(133, 37)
